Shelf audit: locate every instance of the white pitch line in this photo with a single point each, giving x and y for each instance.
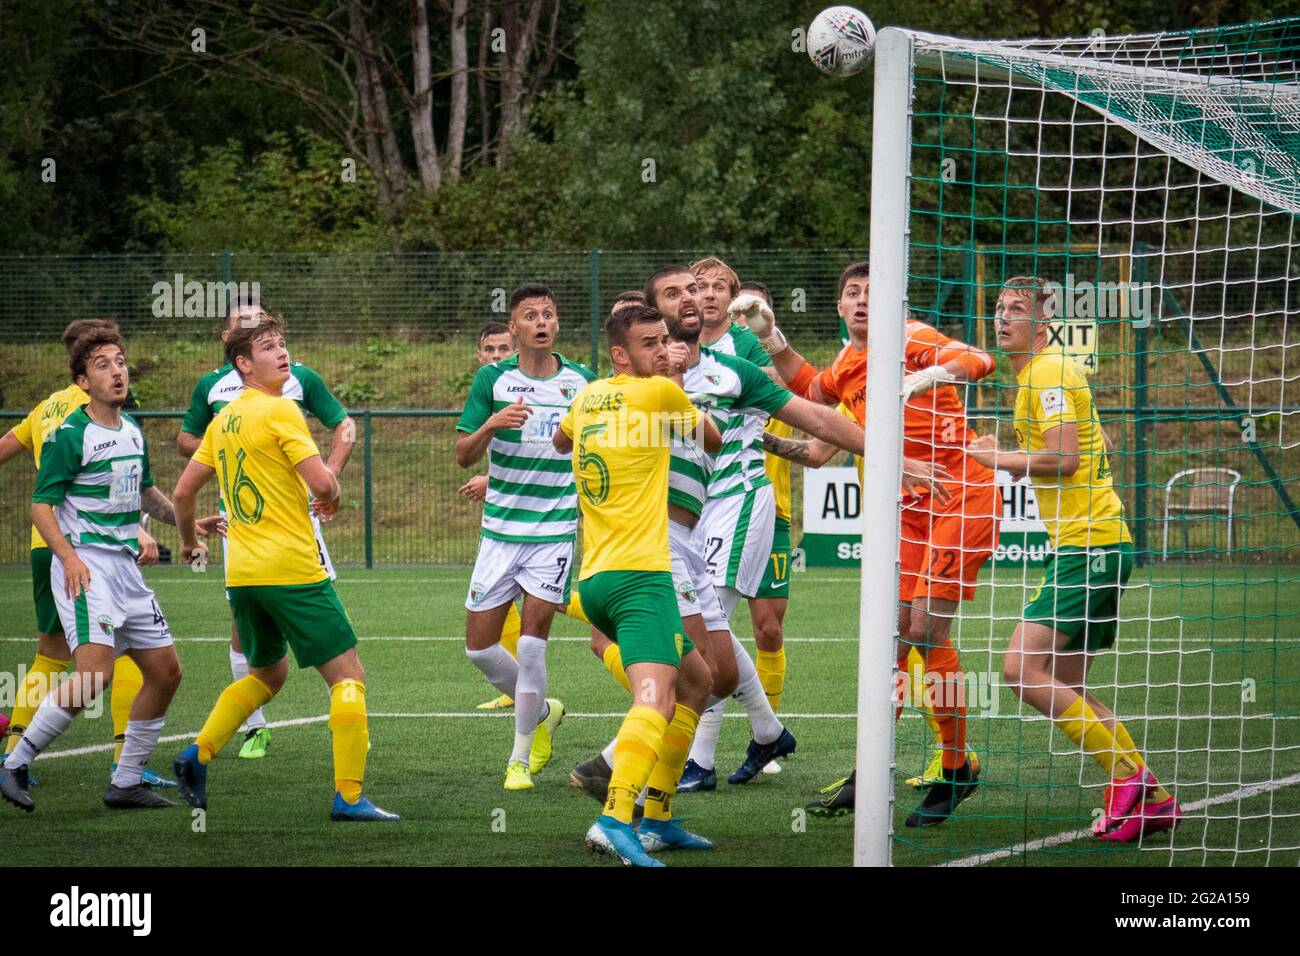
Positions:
(1059, 839)
(322, 718)
(611, 715)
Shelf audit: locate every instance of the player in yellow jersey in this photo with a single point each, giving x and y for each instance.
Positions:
(282, 598)
(1074, 614)
(495, 343)
(51, 646)
(619, 432)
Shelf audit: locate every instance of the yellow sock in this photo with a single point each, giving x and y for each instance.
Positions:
(351, 737)
(232, 708)
(636, 750)
(574, 610)
(771, 674)
(614, 664)
(38, 682)
(916, 680)
(127, 681)
(662, 783)
(510, 631)
(1082, 725)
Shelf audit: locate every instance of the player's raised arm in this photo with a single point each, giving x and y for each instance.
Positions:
(824, 423)
(940, 360)
(811, 453)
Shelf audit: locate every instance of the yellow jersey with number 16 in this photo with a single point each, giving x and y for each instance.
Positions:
(1081, 510)
(254, 444)
(622, 440)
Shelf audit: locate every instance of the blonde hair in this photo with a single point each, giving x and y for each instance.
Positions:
(712, 264)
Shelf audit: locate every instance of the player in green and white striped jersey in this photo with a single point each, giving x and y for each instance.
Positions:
(213, 392)
(736, 524)
(94, 482)
(530, 518)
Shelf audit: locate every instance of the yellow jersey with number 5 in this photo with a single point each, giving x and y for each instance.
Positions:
(1081, 510)
(622, 436)
(254, 444)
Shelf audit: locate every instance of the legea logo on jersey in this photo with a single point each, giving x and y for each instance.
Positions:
(75, 909)
(191, 299)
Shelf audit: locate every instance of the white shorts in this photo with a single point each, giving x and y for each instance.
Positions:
(735, 534)
(322, 551)
(118, 610)
(503, 569)
(691, 581)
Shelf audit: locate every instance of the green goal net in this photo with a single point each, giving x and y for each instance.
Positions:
(1152, 185)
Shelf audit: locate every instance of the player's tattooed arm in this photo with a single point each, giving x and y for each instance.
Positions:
(155, 504)
(810, 454)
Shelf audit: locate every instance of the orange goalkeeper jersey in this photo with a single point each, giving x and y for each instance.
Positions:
(934, 424)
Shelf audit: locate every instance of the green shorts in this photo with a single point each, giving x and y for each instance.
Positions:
(309, 618)
(47, 612)
(638, 611)
(1080, 592)
(776, 577)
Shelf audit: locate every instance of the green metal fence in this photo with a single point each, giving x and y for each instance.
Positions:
(394, 336)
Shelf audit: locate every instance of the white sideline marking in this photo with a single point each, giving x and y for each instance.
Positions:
(615, 715)
(322, 718)
(1242, 793)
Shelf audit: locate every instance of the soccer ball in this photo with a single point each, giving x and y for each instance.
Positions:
(840, 41)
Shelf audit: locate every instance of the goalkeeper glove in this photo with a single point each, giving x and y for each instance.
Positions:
(920, 382)
(758, 316)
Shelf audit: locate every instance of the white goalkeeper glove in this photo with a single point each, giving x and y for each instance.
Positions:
(918, 383)
(758, 316)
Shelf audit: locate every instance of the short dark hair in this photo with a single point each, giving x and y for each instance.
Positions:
(855, 270)
(758, 287)
(620, 321)
(79, 327)
(492, 328)
(240, 343)
(630, 297)
(90, 339)
(669, 270)
(530, 290)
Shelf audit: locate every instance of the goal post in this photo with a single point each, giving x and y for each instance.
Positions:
(1153, 181)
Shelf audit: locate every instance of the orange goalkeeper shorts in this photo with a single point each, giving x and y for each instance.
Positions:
(944, 546)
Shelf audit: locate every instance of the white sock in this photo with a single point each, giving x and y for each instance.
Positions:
(47, 723)
(239, 669)
(749, 691)
(608, 753)
(530, 693)
(704, 747)
(497, 666)
(141, 738)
